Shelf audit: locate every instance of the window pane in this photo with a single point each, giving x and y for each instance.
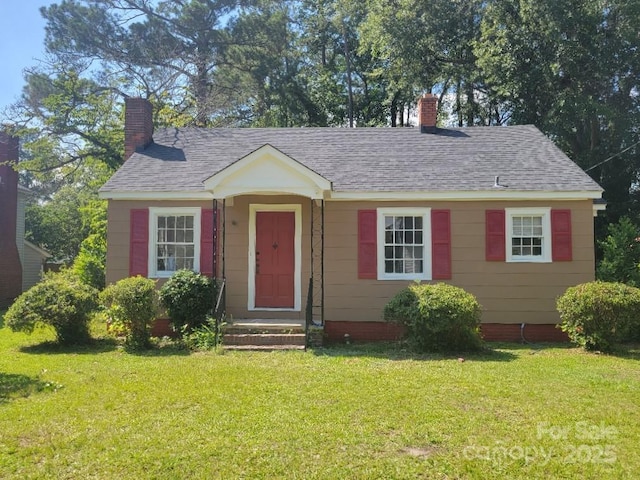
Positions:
(189, 221)
(388, 223)
(408, 237)
(388, 237)
(171, 236)
(398, 238)
(388, 266)
(408, 222)
(180, 222)
(418, 223)
(171, 222)
(417, 252)
(388, 252)
(398, 252)
(399, 222)
(399, 266)
(418, 238)
(190, 251)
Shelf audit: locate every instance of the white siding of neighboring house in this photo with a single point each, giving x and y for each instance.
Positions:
(32, 265)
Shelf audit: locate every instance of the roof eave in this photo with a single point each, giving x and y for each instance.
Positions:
(482, 195)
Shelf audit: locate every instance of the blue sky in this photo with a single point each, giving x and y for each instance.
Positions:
(21, 44)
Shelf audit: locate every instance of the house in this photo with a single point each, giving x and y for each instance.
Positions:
(329, 223)
(21, 262)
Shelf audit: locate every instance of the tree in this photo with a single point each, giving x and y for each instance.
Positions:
(572, 69)
(621, 254)
(175, 45)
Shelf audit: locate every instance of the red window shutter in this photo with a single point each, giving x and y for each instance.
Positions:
(367, 244)
(495, 235)
(441, 244)
(139, 242)
(561, 250)
(207, 221)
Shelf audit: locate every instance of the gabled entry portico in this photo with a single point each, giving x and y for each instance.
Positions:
(268, 203)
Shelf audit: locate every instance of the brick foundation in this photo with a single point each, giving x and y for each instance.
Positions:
(499, 332)
(162, 328)
(491, 332)
(363, 331)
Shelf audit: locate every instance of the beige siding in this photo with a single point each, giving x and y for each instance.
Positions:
(509, 292)
(236, 250)
(118, 230)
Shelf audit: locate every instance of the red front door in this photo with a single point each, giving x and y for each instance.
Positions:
(275, 265)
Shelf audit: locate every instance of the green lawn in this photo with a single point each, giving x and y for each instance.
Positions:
(344, 412)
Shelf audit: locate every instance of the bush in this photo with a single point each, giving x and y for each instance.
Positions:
(132, 305)
(597, 315)
(60, 300)
(188, 298)
(89, 265)
(438, 317)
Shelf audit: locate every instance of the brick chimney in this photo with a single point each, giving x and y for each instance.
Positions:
(427, 113)
(138, 125)
(10, 266)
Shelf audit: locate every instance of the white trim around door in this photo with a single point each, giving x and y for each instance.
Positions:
(251, 280)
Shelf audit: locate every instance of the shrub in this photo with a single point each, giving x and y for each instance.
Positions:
(132, 305)
(89, 265)
(597, 315)
(438, 317)
(188, 298)
(60, 300)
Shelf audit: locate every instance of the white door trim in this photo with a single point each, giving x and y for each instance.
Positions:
(297, 274)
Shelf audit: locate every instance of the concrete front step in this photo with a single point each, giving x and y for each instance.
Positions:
(264, 339)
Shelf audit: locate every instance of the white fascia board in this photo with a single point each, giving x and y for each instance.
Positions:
(130, 195)
(37, 249)
(465, 195)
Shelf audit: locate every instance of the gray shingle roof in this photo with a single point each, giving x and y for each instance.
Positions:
(362, 159)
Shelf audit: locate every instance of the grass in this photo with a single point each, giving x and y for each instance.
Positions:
(344, 412)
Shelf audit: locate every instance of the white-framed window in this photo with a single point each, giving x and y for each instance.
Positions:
(404, 243)
(528, 237)
(174, 240)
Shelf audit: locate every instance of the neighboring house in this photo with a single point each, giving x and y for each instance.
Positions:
(332, 222)
(21, 262)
